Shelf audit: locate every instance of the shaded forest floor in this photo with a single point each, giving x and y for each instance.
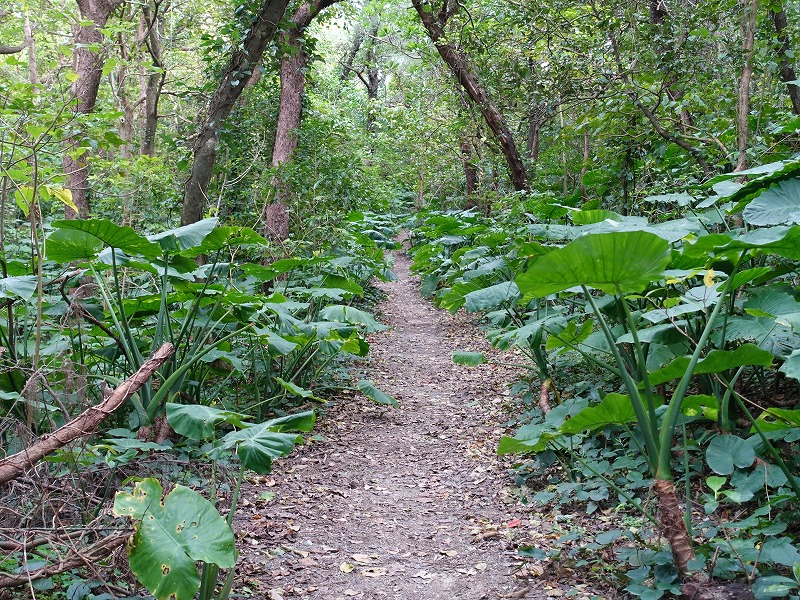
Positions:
(409, 503)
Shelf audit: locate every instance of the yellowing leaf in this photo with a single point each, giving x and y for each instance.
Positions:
(709, 277)
(63, 194)
(346, 567)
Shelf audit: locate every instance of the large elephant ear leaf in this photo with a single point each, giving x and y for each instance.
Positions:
(115, 236)
(171, 536)
(259, 445)
(617, 262)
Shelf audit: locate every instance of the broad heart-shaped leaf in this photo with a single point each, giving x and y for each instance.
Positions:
(781, 240)
(302, 421)
(198, 422)
(224, 237)
(726, 451)
(614, 409)
(791, 367)
(570, 336)
(587, 217)
(259, 445)
(715, 362)
(172, 536)
(348, 314)
(491, 297)
(20, 286)
(612, 262)
(777, 205)
(370, 391)
(111, 234)
(183, 238)
(69, 245)
(468, 359)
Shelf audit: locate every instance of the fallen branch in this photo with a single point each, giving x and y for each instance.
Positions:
(100, 550)
(84, 424)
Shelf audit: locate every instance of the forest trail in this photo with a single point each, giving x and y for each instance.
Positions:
(399, 504)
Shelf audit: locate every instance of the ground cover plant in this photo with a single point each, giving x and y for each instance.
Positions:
(245, 341)
(681, 334)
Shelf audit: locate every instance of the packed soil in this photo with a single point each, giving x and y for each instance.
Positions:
(408, 503)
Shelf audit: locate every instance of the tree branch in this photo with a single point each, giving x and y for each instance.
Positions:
(84, 424)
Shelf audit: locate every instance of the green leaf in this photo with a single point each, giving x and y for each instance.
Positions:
(614, 409)
(569, 336)
(111, 234)
(725, 452)
(781, 551)
(468, 359)
(588, 217)
(184, 238)
(715, 483)
(611, 262)
(225, 237)
(259, 445)
(773, 586)
(302, 421)
(66, 246)
(171, 536)
(347, 314)
(777, 205)
(716, 362)
(491, 297)
(293, 389)
(370, 391)
(198, 422)
(20, 286)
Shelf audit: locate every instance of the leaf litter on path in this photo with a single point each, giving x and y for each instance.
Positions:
(399, 504)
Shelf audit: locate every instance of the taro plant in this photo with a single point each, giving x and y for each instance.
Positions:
(175, 532)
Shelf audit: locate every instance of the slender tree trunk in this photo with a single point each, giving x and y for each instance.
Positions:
(239, 68)
(350, 57)
(290, 113)
(787, 71)
(470, 172)
(585, 164)
(434, 23)
(536, 115)
(154, 29)
(88, 65)
(630, 91)
(749, 13)
(30, 42)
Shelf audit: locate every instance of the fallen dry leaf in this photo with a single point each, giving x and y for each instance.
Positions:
(346, 567)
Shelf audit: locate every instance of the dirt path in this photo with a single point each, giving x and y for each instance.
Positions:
(403, 504)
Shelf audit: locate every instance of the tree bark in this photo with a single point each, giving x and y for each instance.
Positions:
(154, 26)
(434, 23)
(749, 13)
(631, 92)
(84, 424)
(290, 113)
(787, 71)
(672, 526)
(470, 172)
(239, 68)
(88, 65)
(350, 58)
(30, 41)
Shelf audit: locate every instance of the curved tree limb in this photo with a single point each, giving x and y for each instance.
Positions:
(12, 49)
(84, 424)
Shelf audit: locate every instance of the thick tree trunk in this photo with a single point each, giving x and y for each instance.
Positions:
(749, 13)
(239, 68)
(787, 71)
(88, 65)
(290, 113)
(456, 61)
